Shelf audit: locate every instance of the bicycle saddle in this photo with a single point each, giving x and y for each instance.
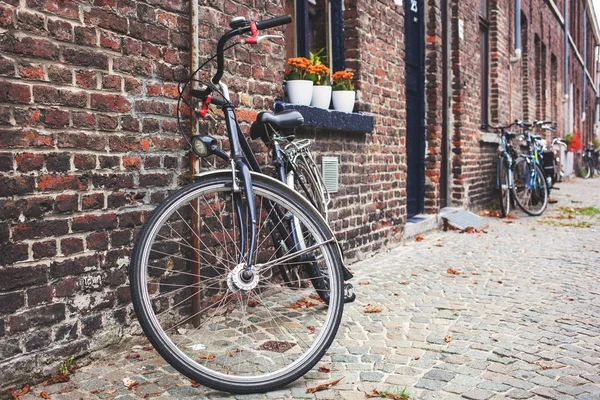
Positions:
(287, 119)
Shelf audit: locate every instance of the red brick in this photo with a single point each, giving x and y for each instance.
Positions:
(66, 287)
(81, 141)
(149, 32)
(70, 246)
(76, 266)
(44, 249)
(63, 8)
(61, 182)
(27, 162)
(132, 163)
(133, 65)
(34, 47)
(39, 295)
(6, 162)
(23, 138)
(86, 79)
(66, 203)
(86, 36)
(61, 30)
(14, 92)
(110, 102)
(36, 207)
(109, 40)
(22, 276)
(84, 120)
(11, 253)
(32, 72)
(97, 241)
(60, 74)
(10, 186)
(58, 162)
(94, 222)
(113, 181)
(27, 116)
(56, 118)
(154, 89)
(84, 161)
(7, 17)
(39, 228)
(85, 58)
(112, 82)
(107, 122)
(94, 201)
(11, 302)
(105, 19)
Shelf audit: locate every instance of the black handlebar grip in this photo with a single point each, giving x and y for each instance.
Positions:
(272, 22)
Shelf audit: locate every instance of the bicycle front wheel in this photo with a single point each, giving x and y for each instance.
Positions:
(209, 320)
(504, 186)
(583, 168)
(530, 188)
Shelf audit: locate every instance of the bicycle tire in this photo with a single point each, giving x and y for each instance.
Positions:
(237, 352)
(309, 187)
(504, 186)
(530, 189)
(584, 168)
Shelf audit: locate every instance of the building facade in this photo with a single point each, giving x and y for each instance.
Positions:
(89, 141)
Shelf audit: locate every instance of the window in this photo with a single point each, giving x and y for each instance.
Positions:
(317, 24)
(484, 53)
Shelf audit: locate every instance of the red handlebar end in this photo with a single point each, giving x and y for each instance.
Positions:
(205, 104)
(254, 38)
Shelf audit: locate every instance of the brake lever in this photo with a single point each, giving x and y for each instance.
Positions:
(258, 39)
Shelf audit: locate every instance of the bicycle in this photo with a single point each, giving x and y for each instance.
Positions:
(586, 165)
(506, 157)
(519, 176)
(209, 272)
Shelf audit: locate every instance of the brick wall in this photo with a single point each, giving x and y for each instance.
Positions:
(88, 142)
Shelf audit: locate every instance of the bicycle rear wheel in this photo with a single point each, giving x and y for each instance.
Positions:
(504, 186)
(530, 188)
(584, 168)
(206, 318)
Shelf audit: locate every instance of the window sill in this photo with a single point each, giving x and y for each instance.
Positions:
(489, 138)
(330, 119)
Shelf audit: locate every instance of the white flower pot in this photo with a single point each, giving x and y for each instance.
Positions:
(299, 92)
(321, 96)
(343, 100)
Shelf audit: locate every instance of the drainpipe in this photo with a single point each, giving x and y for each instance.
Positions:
(518, 46)
(584, 59)
(566, 57)
(194, 165)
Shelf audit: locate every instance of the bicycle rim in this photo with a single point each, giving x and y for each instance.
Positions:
(504, 186)
(212, 326)
(530, 188)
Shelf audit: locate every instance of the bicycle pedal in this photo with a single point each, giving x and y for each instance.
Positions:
(349, 294)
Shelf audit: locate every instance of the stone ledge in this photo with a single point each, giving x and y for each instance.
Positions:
(330, 119)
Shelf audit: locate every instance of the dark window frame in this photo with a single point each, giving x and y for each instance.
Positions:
(337, 33)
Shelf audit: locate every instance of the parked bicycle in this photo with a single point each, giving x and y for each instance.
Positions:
(236, 278)
(519, 177)
(587, 165)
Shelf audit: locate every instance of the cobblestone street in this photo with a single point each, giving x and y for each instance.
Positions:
(512, 312)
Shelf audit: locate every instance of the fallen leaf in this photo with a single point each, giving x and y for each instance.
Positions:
(302, 304)
(148, 348)
(494, 339)
(557, 378)
(385, 394)
(542, 366)
(448, 339)
(363, 283)
(311, 329)
(372, 308)
(207, 357)
(132, 356)
(15, 394)
(324, 369)
(194, 384)
(452, 271)
(129, 383)
(56, 379)
(570, 299)
(419, 238)
(404, 282)
(439, 245)
(253, 303)
(315, 296)
(323, 386)
(44, 395)
(470, 229)
(414, 275)
(417, 357)
(111, 391)
(475, 283)
(500, 282)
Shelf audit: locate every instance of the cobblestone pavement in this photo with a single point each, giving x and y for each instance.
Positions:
(520, 319)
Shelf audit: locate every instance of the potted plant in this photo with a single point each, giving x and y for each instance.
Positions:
(343, 91)
(298, 81)
(321, 96)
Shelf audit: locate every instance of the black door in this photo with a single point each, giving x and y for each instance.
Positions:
(415, 105)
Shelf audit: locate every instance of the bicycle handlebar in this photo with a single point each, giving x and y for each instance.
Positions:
(239, 28)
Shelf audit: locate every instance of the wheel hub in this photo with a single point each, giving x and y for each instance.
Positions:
(240, 279)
